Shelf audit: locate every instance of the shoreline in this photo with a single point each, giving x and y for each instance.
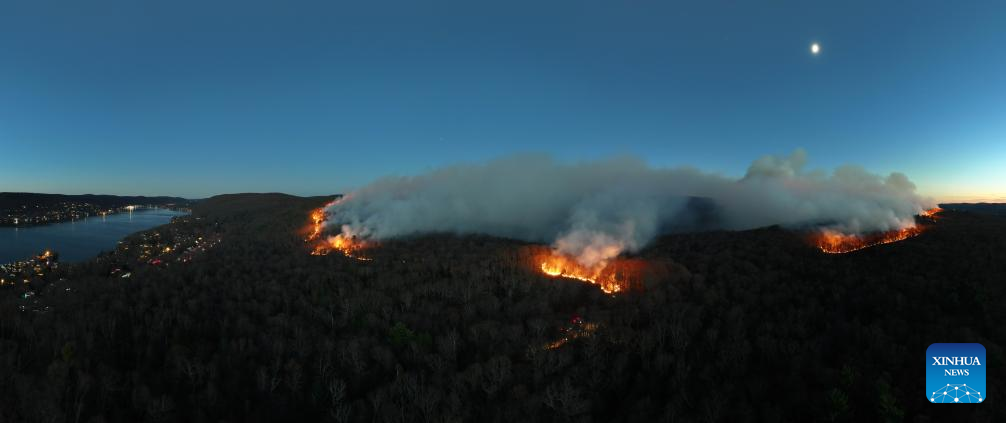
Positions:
(95, 232)
(110, 212)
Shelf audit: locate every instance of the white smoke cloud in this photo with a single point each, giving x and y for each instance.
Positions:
(596, 210)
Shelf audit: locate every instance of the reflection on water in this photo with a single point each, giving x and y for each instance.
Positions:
(79, 240)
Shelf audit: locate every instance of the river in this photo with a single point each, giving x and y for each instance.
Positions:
(79, 240)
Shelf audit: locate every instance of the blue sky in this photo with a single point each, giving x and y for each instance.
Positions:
(196, 98)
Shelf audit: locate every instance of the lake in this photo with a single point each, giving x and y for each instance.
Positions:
(80, 240)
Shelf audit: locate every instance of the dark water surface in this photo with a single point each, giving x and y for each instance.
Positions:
(80, 240)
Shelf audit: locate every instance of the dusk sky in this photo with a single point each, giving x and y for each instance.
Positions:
(196, 98)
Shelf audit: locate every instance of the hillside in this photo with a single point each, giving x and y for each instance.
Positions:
(17, 199)
(246, 326)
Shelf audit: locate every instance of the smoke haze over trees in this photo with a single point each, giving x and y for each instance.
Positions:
(596, 210)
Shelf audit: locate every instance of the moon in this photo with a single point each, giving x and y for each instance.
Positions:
(815, 48)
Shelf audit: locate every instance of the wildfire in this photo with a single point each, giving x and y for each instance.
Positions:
(318, 220)
(931, 213)
(834, 242)
(349, 246)
(577, 328)
(612, 276)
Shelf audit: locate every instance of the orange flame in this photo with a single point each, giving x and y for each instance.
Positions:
(348, 246)
(318, 220)
(576, 330)
(611, 276)
(931, 213)
(834, 242)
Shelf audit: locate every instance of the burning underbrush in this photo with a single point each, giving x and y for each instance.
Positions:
(932, 213)
(348, 246)
(611, 276)
(835, 242)
(577, 328)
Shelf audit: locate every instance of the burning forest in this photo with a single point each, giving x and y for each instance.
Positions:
(348, 246)
(593, 214)
(611, 276)
(835, 242)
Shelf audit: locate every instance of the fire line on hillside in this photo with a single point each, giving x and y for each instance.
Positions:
(611, 276)
(835, 242)
(618, 274)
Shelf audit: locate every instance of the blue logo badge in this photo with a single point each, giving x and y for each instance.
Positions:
(955, 373)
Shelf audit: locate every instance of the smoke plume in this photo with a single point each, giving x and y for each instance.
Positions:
(597, 210)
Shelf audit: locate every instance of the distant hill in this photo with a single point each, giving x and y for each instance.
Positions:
(230, 205)
(998, 209)
(10, 200)
(258, 211)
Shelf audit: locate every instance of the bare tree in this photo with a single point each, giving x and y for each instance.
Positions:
(565, 399)
(496, 373)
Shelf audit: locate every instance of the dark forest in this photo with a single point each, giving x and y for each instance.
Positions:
(723, 327)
